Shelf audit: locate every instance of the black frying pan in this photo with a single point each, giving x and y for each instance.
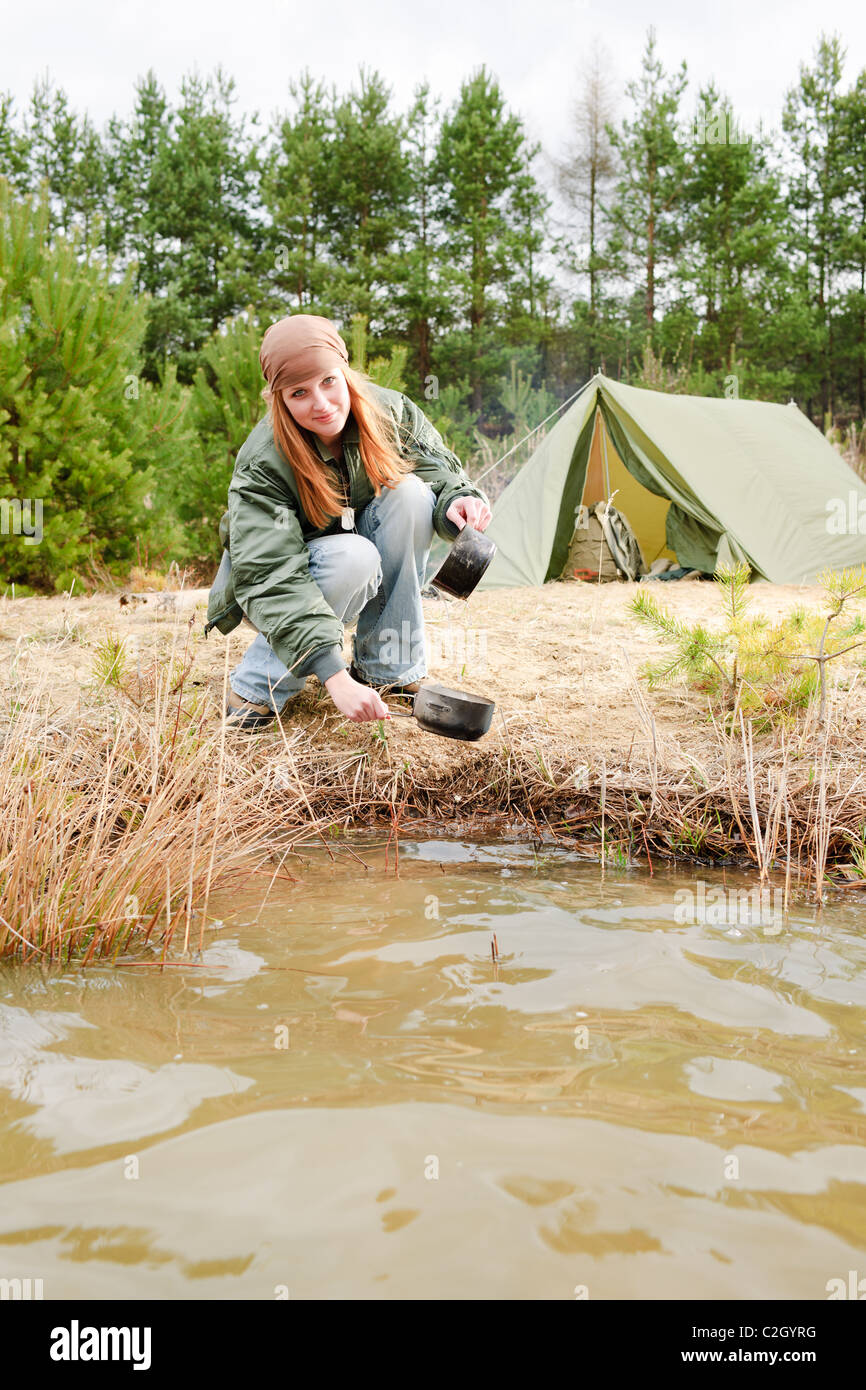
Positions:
(450, 713)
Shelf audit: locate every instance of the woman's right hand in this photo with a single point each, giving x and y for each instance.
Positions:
(357, 702)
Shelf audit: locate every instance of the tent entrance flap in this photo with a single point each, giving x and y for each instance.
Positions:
(645, 512)
(596, 473)
(572, 496)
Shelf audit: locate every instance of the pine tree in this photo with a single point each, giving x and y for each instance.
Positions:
(644, 214)
(852, 249)
(483, 163)
(733, 222)
(84, 441)
(226, 405)
(812, 121)
(133, 148)
(425, 282)
(526, 284)
(368, 188)
(66, 152)
(386, 371)
(14, 147)
(202, 194)
(296, 191)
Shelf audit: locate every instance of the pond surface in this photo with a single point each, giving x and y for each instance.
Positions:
(350, 1098)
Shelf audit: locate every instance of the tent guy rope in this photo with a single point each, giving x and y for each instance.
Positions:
(572, 397)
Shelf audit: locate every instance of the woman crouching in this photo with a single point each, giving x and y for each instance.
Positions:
(332, 506)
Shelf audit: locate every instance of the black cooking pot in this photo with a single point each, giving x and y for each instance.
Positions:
(465, 563)
(450, 713)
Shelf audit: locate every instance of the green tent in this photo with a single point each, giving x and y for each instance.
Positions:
(700, 480)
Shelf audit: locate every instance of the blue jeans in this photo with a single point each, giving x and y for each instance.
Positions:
(374, 575)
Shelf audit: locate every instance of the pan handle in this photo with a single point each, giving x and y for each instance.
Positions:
(403, 713)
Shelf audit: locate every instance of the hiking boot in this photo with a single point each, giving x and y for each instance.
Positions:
(407, 692)
(243, 714)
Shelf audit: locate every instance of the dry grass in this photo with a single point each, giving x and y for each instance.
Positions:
(851, 444)
(127, 801)
(117, 826)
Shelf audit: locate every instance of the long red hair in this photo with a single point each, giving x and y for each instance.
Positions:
(377, 442)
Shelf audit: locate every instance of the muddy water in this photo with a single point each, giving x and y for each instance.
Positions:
(348, 1097)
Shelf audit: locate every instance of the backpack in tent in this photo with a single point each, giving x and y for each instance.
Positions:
(603, 546)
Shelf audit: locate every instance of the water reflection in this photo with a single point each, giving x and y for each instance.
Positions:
(620, 1100)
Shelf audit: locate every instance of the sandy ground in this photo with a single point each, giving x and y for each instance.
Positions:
(561, 663)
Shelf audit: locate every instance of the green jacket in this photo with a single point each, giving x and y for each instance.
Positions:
(266, 533)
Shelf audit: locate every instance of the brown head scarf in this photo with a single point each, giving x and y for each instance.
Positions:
(296, 347)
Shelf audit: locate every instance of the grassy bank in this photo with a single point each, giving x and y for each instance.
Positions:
(121, 817)
(127, 801)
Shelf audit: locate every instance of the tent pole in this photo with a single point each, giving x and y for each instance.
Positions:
(604, 454)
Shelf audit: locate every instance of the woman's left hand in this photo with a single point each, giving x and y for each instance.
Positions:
(469, 511)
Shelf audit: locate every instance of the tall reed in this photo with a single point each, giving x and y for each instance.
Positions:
(116, 825)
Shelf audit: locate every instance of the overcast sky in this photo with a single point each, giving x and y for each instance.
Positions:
(95, 49)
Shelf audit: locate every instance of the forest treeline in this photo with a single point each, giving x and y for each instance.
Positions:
(139, 264)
